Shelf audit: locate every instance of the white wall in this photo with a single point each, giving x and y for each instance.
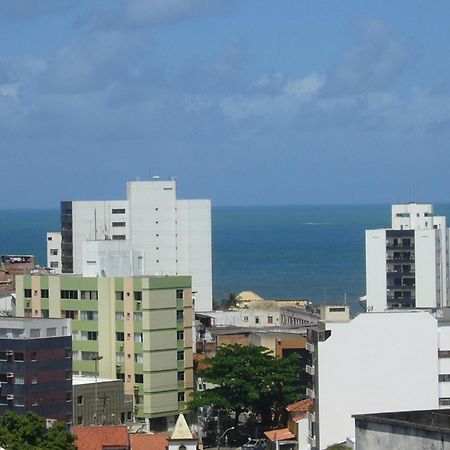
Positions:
(376, 270)
(427, 268)
(54, 242)
(378, 362)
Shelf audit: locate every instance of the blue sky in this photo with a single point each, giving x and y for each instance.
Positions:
(249, 102)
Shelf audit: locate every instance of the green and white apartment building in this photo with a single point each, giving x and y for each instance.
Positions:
(140, 327)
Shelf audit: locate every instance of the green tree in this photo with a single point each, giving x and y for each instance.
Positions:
(249, 378)
(28, 432)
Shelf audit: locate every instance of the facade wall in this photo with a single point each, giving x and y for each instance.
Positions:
(141, 326)
(370, 365)
(414, 260)
(113, 406)
(36, 372)
(54, 251)
(376, 270)
(150, 233)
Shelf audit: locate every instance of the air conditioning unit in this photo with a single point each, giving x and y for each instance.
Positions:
(9, 353)
(9, 375)
(10, 397)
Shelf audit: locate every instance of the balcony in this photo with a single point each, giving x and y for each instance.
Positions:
(399, 247)
(312, 441)
(310, 393)
(401, 287)
(310, 347)
(310, 370)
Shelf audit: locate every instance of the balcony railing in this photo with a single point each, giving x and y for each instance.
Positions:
(312, 441)
(310, 370)
(310, 393)
(310, 347)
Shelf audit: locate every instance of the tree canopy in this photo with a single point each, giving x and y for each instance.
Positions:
(249, 378)
(29, 432)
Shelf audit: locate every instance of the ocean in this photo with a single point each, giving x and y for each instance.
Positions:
(279, 252)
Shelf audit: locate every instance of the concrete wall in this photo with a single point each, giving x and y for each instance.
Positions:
(378, 362)
(376, 270)
(427, 269)
(376, 436)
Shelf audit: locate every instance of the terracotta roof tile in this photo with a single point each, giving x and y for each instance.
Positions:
(302, 405)
(281, 434)
(149, 441)
(98, 437)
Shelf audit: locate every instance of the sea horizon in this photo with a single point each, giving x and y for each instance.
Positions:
(313, 252)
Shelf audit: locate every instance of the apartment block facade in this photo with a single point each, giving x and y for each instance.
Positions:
(377, 362)
(36, 367)
(141, 327)
(407, 265)
(150, 233)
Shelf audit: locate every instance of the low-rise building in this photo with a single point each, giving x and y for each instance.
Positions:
(36, 367)
(409, 430)
(100, 401)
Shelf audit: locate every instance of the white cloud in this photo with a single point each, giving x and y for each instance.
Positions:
(304, 88)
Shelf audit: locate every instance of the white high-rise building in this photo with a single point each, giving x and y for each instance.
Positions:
(407, 266)
(149, 233)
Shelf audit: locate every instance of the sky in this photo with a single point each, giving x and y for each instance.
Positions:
(245, 102)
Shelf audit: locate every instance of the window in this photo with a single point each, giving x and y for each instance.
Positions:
(180, 376)
(27, 293)
(79, 400)
(3, 356)
(87, 356)
(89, 335)
(119, 315)
(118, 224)
(121, 376)
(51, 332)
(18, 356)
(89, 315)
(119, 357)
(19, 401)
(138, 337)
(80, 420)
(54, 251)
(444, 377)
(120, 336)
(68, 352)
(180, 335)
(34, 379)
(44, 293)
(180, 293)
(137, 295)
(49, 238)
(445, 401)
(138, 317)
(19, 379)
(70, 314)
(245, 318)
(118, 210)
(138, 378)
(119, 295)
(69, 294)
(35, 332)
(256, 319)
(269, 319)
(180, 314)
(180, 355)
(33, 356)
(89, 295)
(118, 237)
(68, 374)
(68, 396)
(138, 358)
(337, 308)
(444, 353)
(181, 396)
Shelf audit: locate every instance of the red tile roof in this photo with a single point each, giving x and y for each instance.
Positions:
(149, 441)
(99, 437)
(301, 406)
(281, 434)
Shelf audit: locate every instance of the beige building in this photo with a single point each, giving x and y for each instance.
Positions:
(138, 328)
